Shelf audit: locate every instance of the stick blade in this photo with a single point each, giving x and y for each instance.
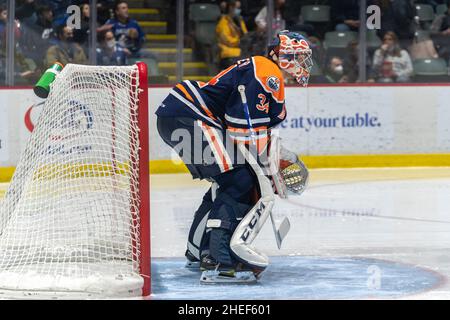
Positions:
(283, 231)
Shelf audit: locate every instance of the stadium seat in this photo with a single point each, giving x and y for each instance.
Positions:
(425, 12)
(315, 13)
(204, 12)
(430, 70)
(336, 43)
(338, 39)
(205, 17)
(441, 9)
(430, 67)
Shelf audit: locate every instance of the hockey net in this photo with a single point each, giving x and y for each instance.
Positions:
(74, 221)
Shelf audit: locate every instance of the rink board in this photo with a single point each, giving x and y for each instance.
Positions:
(343, 126)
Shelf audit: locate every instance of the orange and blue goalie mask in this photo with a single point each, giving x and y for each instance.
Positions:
(295, 57)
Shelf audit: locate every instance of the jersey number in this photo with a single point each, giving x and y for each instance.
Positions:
(262, 105)
(216, 79)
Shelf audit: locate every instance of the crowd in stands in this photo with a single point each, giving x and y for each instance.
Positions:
(402, 39)
(43, 37)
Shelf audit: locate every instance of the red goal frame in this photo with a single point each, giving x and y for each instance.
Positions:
(144, 178)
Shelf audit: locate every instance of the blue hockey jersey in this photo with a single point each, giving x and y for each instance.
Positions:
(218, 102)
(121, 30)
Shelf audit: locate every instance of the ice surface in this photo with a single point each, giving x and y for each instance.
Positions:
(355, 234)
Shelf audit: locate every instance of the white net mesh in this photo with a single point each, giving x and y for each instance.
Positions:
(70, 220)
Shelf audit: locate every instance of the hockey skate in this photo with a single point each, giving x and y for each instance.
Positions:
(213, 272)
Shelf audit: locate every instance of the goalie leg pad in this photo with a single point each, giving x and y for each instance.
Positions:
(223, 220)
(198, 238)
(252, 223)
(247, 231)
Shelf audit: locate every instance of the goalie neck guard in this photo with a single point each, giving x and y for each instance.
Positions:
(292, 53)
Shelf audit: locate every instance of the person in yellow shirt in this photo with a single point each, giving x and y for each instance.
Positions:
(230, 28)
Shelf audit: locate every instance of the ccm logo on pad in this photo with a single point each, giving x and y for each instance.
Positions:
(253, 222)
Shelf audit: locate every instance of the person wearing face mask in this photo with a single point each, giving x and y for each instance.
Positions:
(390, 62)
(110, 52)
(230, 29)
(335, 71)
(64, 49)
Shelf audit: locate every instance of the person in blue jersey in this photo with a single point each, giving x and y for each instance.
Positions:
(127, 32)
(208, 125)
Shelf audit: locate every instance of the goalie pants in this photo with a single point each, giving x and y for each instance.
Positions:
(236, 185)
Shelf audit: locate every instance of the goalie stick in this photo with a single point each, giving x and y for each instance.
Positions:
(285, 226)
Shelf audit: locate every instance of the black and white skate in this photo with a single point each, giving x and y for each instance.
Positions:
(192, 262)
(208, 263)
(227, 277)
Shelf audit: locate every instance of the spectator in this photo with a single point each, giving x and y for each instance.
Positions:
(59, 8)
(335, 71)
(127, 31)
(390, 62)
(23, 69)
(229, 30)
(345, 15)
(3, 22)
(36, 37)
(81, 35)
(25, 11)
(109, 51)
(440, 33)
(278, 22)
(422, 48)
(65, 50)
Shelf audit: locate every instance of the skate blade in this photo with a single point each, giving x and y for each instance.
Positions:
(241, 277)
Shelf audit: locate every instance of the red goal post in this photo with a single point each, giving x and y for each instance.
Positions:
(144, 178)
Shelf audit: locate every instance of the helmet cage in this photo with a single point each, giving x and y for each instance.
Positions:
(295, 57)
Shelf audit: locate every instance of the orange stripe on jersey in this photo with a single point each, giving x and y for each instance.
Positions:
(262, 136)
(270, 77)
(208, 112)
(217, 147)
(244, 130)
(183, 89)
(204, 108)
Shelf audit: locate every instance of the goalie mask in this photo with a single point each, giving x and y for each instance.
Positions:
(292, 53)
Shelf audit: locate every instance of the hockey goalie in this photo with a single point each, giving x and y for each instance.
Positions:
(223, 131)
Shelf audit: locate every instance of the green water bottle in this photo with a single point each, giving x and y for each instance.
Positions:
(42, 87)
